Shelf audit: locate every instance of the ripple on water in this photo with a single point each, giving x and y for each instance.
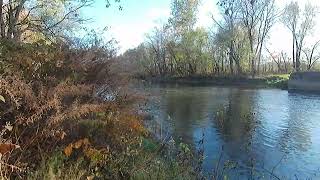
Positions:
(260, 125)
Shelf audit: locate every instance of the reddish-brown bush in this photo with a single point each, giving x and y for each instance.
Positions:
(50, 101)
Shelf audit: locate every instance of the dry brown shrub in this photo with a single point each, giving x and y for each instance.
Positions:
(39, 119)
(48, 94)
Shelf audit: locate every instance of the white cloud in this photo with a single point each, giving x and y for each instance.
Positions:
(130, 35)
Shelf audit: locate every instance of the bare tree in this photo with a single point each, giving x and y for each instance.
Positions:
(290, 19)
(158, 44)
(230, 12)
(2, 26)
(276, 59)
(280, 59)
(286, 61)
(300, 25)
(258, 16)
(311, 55)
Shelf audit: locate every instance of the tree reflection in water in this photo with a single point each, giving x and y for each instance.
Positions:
(258, 129)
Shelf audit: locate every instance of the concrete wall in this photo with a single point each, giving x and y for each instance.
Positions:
(305, 81)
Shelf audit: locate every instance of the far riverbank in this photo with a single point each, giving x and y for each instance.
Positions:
(272, 81)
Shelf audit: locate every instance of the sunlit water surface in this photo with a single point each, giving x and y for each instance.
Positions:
(258, 131)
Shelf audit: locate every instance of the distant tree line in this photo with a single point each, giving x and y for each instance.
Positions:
(237, 46)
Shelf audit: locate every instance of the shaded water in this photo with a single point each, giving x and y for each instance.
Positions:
(260, 130)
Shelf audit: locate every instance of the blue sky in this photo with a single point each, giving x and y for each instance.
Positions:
(130, 25)
(139, 17)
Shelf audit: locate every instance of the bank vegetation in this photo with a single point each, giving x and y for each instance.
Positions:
(65, 110)
(235, 45)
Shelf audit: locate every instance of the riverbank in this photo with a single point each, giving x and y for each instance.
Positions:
(80, 126)
(272, 81)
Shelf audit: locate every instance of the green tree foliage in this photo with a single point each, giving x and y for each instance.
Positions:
(183, 15)
(177, 48)
(33, 20)
(235, 45)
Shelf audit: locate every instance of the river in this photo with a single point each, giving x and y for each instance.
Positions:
(257, 132)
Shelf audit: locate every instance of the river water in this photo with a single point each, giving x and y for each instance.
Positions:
(260, 133)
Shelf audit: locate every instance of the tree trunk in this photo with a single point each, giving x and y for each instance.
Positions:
(298, 55)
(293, 52)
(259, 58)
(222, 63)
(238, 67)
(2, 26)
(231, 54)
(253, 71)
(16, 31)
(231, 64)
(10, 20)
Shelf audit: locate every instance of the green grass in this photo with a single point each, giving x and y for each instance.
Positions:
(150, 162)
(280, 76)
(57, 167)
(146, 160)
(277, 81)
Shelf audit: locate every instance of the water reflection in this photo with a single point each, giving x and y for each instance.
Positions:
(236, 125)
(257, 128)
(185, 110)
(234, 120)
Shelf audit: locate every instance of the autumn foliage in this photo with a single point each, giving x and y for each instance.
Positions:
(52, 100)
